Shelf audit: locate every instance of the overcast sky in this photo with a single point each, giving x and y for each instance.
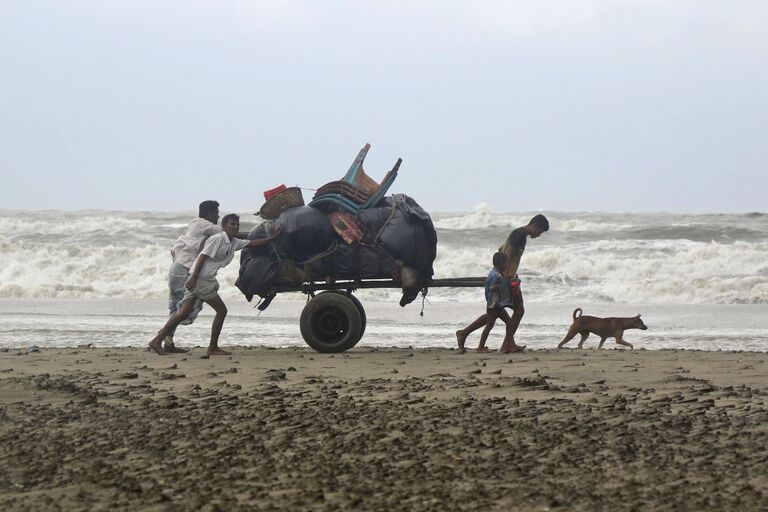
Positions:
(636, 105)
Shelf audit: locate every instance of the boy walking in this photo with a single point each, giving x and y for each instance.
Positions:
(513, 249)
(496, 298)
(218, 252)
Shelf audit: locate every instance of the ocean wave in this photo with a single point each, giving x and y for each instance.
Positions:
(98, 255)
(14, 227)
(661, 271)
(49, 271)
(483, 217)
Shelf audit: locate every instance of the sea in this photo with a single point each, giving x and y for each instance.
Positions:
(700, 281)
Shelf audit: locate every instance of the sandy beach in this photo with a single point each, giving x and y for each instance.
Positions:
(383, 429)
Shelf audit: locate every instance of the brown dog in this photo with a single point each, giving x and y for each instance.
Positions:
(603, 327)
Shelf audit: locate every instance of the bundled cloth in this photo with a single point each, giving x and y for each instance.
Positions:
(395, 240)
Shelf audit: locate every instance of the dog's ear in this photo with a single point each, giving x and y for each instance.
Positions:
(638, 315)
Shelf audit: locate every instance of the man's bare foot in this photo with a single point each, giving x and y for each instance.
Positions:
(157, 348)
(483, 350)
(461, 339)
(513, 349)
(218, 352)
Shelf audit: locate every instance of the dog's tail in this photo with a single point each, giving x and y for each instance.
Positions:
(577, 310)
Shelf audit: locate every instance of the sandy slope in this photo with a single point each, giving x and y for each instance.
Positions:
(92, 429)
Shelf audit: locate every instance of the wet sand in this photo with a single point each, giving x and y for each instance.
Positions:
(291, 429)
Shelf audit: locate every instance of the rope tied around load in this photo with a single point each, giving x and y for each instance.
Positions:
(424, 292)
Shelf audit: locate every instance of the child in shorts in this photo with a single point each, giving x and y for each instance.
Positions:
(497, 297)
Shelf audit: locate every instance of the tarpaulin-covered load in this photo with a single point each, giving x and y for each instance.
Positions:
(393, 240)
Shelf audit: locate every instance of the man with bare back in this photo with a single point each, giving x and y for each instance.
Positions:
(513, 248)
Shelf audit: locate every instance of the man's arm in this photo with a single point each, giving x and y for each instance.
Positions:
(513, 247)
(196, 273)
(264, 241)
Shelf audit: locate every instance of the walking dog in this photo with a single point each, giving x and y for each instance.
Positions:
(604, 327)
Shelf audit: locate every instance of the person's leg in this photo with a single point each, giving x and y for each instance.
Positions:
(170, 325)
(218, 322)
(518, 305)
(177, 279)
(509, 344)
(177, 285)
(491, 316)
(461, 334)
(198, 307)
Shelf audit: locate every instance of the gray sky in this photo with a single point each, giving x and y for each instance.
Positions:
(522, 105)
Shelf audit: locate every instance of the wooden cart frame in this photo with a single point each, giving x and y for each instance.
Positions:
(334, 320)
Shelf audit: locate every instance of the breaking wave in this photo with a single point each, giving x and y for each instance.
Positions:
(595, 257)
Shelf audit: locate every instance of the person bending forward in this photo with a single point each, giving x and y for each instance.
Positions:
(513, 248)
(218, 252)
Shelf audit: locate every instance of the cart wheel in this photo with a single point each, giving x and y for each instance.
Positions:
(358, 305)
(331, 322)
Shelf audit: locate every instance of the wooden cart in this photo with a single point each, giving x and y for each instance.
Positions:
(334, 320)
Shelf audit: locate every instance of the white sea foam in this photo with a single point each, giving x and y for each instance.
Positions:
(29, 270)
(56, 255)
(51, 226)
(483, 217)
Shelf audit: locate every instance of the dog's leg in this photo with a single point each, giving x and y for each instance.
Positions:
(572, 332)
(625, 343)
(584, 336)
(602, 340)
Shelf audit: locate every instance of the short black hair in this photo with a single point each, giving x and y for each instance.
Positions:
(540, 221)
(230, 216)
(499, 259)
(206, 208)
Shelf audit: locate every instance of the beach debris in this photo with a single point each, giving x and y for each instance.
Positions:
(129, 376)
(273, 374)
(533, 381)
(171, 376)
(33, 348)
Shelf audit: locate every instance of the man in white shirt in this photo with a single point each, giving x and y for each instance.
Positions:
(184, 252)
(218, 252)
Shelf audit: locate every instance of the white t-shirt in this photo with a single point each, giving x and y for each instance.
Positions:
(220, 251)
(189, 245)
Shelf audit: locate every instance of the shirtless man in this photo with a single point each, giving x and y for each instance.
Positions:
(513, 248)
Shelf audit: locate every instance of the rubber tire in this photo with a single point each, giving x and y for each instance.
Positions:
(331, 323)
(358, 304)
